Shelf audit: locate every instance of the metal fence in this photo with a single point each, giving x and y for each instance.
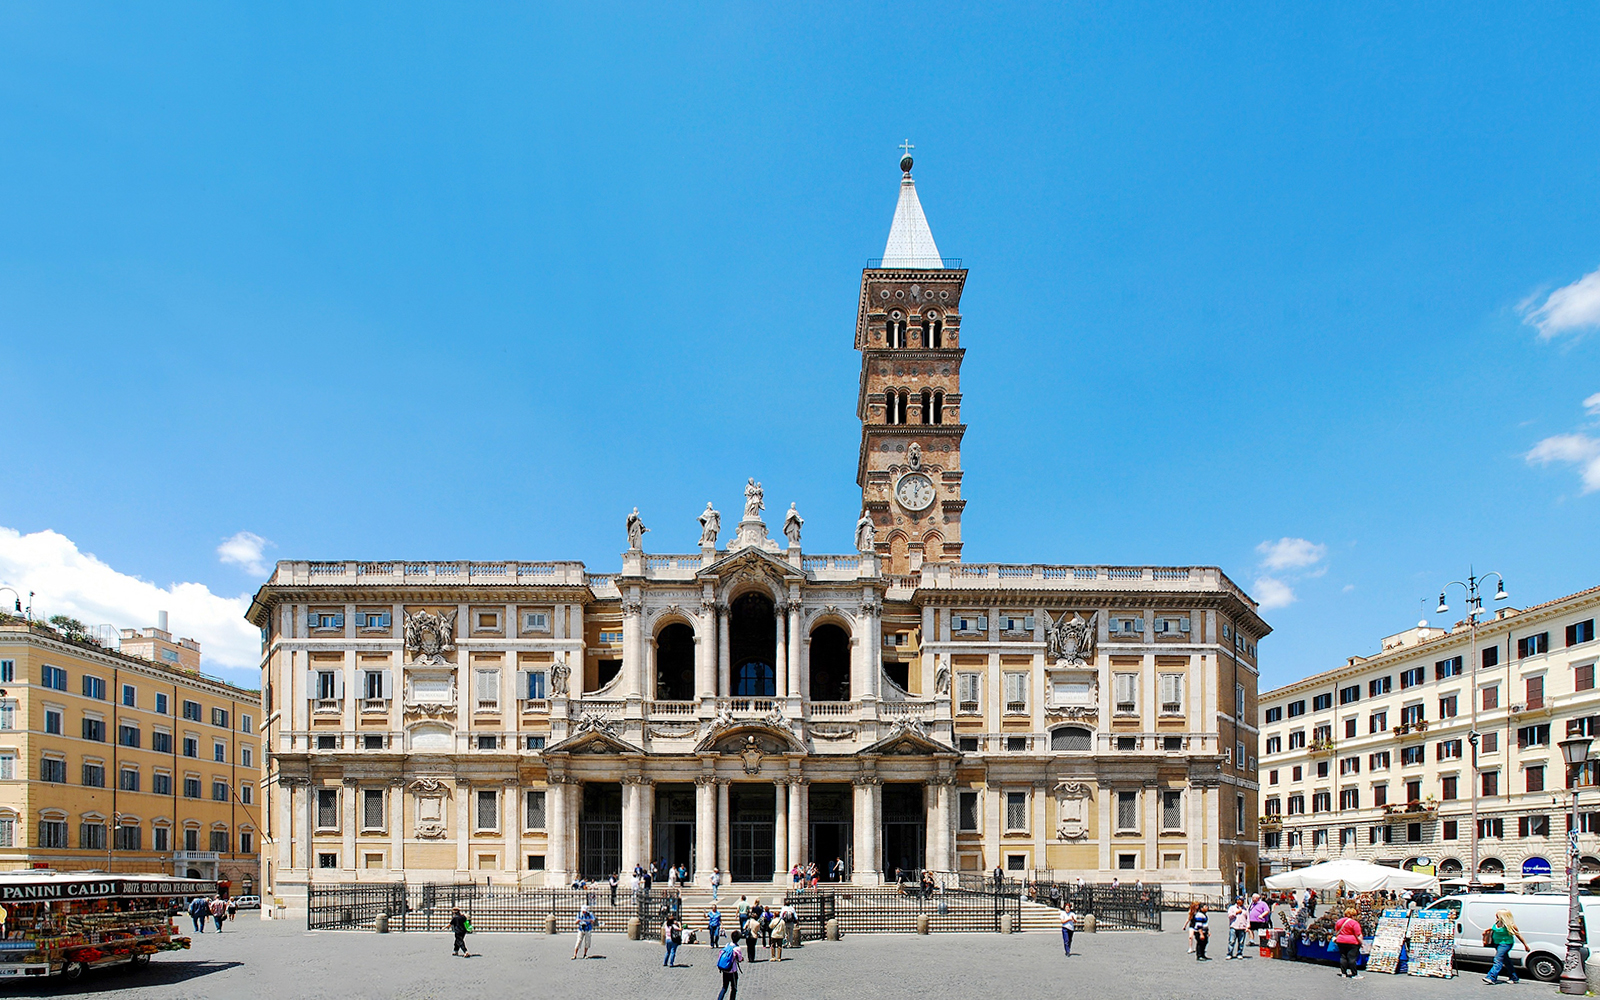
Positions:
(426, 906)
(895, 910)
(1116, 908)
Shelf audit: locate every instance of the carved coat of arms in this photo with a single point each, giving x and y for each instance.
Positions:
(751, 755)
(430, 636)
(1072, 641)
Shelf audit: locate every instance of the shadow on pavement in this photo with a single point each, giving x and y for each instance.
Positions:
(123, 977)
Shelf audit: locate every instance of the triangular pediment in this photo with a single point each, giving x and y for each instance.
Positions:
(751, 560)
(909, 740)
(593, 741)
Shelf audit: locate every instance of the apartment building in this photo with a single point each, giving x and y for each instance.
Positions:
(1375, 759)
(125, 763)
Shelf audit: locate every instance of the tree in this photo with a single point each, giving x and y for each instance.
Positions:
(73, 629)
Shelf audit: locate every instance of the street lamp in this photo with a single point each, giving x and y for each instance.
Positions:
(1574, 750)
(18, 598)
(1474, 609)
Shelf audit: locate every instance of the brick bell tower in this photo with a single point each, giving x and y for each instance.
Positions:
(908, 330)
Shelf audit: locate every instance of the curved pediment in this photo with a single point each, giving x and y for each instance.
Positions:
(736, 738)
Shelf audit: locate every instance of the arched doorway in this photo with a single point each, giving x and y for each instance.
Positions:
(830, 663)
(1450, 866)
(675, 663)
(752, 641)
(1491, 866)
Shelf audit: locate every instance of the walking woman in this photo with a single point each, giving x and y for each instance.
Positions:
(1347, 935)
(1188, 925)
(1504, 935)
(671, 936)
(1201, 932)
(1069, 924)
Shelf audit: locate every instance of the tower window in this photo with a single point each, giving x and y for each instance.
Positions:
(933, 332)
(895, 406)
(896, 330)
(927, 406)
(938, 407)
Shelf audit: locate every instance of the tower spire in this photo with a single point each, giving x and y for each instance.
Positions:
(910, 240)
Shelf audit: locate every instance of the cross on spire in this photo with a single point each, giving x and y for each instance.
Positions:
(906, 147)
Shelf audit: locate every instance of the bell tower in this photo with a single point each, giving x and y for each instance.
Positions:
(908, 330)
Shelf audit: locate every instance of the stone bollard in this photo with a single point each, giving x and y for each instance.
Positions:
(550, 924)
(1591, 969)
(633, 928)
(793, 935)
(833, 928)
(1005, 923)
(381, 925)
(1088, 923)
(923, 923)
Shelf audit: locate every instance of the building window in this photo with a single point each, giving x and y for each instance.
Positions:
(373, 621)
(219, 752)
(488, 690)
(1126, 687)
(327, 808)
(160, 741)
(536, 742)
(1533, 736)
(1491, 828)
(53, 769)
(1535, 778)
(488, 741)
(8, 671)
(54, 677)
(1378, 761)
(1412, 677)
(161, 704)
(1378, 685)
(1016, 693)
(1171, 694)
(1583, 677)
(1171, 809)
(327, 859)
(1533, 645)
(161, 783)
(1071, 738)
(191, 711)
(247, 757)
(969, 690)
(1016, 811)
(535, 690)
(247, 794)
(52, 722)
(1447, 707)
(191, 838)
(1447, 787)
(1321, 802)
(1490, 743)
(1535, 689)
(191, 788)
(325, 620)
(1533, 826)
(53, 833)
(219, 717)
(969, 623)
(1297, 739)
(1378, 722)
(1380, 794)
(127, 735)
(1274, 744)
(92, 836)
(372, 812)
(1319, 838)
(967, 811)
(1447, 668)
(488, 813)
(1410, 755)
(128, 838)
(1350, 765)
(1580, 632)
(1349, 798)
(533, 816)
(327, 742)
(191, 746)
(1410, 715)
(161, 839)
(1321, 702)
(1491, 697)
(94, 775)
(128, 779)
(1126, 626)
(94, 729)
(247, 724)
(247, 842)
(1274, 715)
(1449, 750)
(1296, 708)
(94, 687)
(219, 791)
(1127, 811)
(1491, 783)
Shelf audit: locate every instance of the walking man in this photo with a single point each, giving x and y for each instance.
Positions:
(1202, 933)
(1069, 925)
(614, 881)
(458, 927)
(728, 963)
(585, 931)
(716, 883)
(219, 912)
(713, 926)
(198, 909)
(1238, 928)
(838, 869)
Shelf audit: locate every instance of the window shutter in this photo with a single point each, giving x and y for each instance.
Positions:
(1027, 623)
(338, 620)
(311, 684)
(1138, 625)
(312, 619)
(388, 685)
(1183, 625)
(983, 623)
(1116, 626)
(525, 683)
(338, 684)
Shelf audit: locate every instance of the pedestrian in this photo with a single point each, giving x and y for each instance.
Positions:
(752, 931)
(927, 884)
(794, 878)
(1069, 925)
(1238, 925)
(713, 925)
(1260, 918)
(791, 923)
(459, 926)
(198, 910)
(614, 880)
(838, 869)
(1202, 932)
(716, 882)
(999, 879)
(728, 963)
(775, 935)
(744, 910)
(1116, 883)
(1503, 935)
(233, 909)
(1347, 935)
(1188, 925)
(585, 932)
(219, 912)
(671, 936)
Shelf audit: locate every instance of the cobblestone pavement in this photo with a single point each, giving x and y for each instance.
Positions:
(280, 960)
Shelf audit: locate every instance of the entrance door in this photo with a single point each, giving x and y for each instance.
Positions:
(600, 831)
(675, 826)
(904, 830)
(751, 814)
(832, 807)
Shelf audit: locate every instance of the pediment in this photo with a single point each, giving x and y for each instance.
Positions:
(593, 741)
(909, 740)
(751, 560)
(739, 737)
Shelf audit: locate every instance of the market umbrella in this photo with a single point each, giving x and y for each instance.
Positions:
(1351, 875)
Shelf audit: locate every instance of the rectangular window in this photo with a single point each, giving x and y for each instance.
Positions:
(191, 839)
(488, 741)
(8, 674)
(1410, 715)
(969, 691)
(161, 704)
(247, 757)
(161, 783)
(324, 620)
(1378, 761)
(967, 811)
(161, 839)
(1533, 645)
(1274, 744)
(1238, 701)
(536, 742)
(52, 722)
(1378, 722)
(1449, 750)
(1322, 733)
(327, 808)
(1297, 739)
(1126, 687)
(536, 685)
(1296, 708)
(53, 833)
(1349, 694)
(1447, 668)
(127, 735)
(1349, 798)
(1580, 632)
(191, 788)
(1319, 838)
(1016, 692)
(129, 696)
(372, 621)
(191, 746)
(219, 752)
(160, 742)
(1533, 826)
(1274, 715)
(1491, 697)
(1411, 678)
(247, 724)
(611, 638)
(1491, 743)
(1127, 810)
(1350, 728)
(1297, 805)
(1493, 828)
(247, 842)
(8, 765)
(1533, 736)
(8, 715)
(1410, 755)
(1447, 707)
(219, 717)
(1171, 694)
(54, 677)
(535, 621)
(219, 841)
(247, 795)
(533, 810)
(92, 836)
(128, 780)
(53, 769)
(219, 791)
(488, 689)
(1321, 802)
(1534, 777)
(1171, 809)
(1380, 795)
(372, 813)
(1535, 689)
(94, 687)
(1491, 782)
(1322, 702)
(191, 711)
(488, 812)
(1583, 677)
(1447, 787)
(1350, 765)
(1377, 686)
(94, 775)
(94, 729)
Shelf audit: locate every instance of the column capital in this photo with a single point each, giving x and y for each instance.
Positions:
(632, 606)
(866, 780)
(708, 604)
(705, 779)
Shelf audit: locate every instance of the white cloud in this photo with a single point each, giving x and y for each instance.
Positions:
(1571, 449)
(1272, 592)
(67, 581)
(1569, 309)
(244, 550)
(1291, 553)
(1591, 405)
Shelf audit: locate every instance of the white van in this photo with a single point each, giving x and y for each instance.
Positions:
(1541, 917)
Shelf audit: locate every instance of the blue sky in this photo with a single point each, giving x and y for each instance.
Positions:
(1258, 286)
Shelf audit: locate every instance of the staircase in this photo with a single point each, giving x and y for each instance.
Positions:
(697, 903)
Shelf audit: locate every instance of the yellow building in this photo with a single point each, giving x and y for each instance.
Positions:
(125, 762)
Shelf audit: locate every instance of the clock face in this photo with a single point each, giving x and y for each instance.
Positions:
(914, 491)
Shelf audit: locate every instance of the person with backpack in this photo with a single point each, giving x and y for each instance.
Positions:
(728, 963)
(198, 911)
(713, 926)
(459, 926)
(671, 936)
(775, 932)
(1347, 935)
(585, 932)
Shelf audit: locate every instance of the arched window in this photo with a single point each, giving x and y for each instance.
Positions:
(927, 406)
(755, 680)
(675, 663)
(830, 663)
(933, 332)
(896, 330)
(895, 403)
(753, 635)
(1071, 738)
(938, 406)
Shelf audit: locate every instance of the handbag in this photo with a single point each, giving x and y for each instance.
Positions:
(1488, 937)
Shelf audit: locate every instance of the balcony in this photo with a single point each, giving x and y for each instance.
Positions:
(1407, 729)
(1409, 811)
(1322, 748)
(1271, 824)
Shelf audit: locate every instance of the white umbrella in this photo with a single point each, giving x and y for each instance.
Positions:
(1351, 875)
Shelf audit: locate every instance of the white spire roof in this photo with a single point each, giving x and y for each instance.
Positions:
(910, 240)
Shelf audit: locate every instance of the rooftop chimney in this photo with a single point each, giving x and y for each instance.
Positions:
(161, 621)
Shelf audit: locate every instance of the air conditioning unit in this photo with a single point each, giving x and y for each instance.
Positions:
(1516, 709)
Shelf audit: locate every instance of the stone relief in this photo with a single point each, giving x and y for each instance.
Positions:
(636, 530)
(429, 636)
(710, 525)
(673, 730)
(1070, 642)
(1078, 713)
(914, 456)
(593, 723)
(1072, 810)
(751, 755)
(431, 794)
(776, 720)
(792, 523)
(824, 732)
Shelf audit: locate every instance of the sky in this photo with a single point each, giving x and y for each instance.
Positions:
(1309, 294)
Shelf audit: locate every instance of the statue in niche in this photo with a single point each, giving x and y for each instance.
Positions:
(1070, 642)
(753, 505)
(710, 525)
(430, 636)
(636, 530)
(866, 534)
(558, 678)
(792, 522)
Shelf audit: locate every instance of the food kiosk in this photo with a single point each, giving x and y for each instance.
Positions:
(63, 923)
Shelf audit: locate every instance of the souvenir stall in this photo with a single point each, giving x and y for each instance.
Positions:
(1340, 885)
(68, 922)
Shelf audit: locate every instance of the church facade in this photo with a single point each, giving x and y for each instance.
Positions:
(755, 705)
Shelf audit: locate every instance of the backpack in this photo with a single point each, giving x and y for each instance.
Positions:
(677, 934)
(725, 960)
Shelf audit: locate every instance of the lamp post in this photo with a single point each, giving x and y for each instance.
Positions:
(18, 599)
(1474, 609)
(1574, 750)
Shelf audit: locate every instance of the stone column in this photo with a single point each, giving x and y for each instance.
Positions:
(861, 850)
(797, 789)
(780, 830)
(1152, 825)
(630, 823)
(646, 801)
(397, 825)
(876, 830)
(724, 657)
(869, 799)
(795, 669)
(1105, 807)
(705, 650)
(555, 831)
(511, 826)
(705, 828)
(780, 652)
(1041, 859)
(292, 813)
(723, 841)
(349, 793)
(937, 808)
(632, 647)
(1193, 827)
(463, 830)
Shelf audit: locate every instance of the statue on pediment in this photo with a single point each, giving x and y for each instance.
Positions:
(636, 530)
(791, 525)
(710, 525)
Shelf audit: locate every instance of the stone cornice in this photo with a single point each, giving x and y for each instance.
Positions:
(113, 659)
